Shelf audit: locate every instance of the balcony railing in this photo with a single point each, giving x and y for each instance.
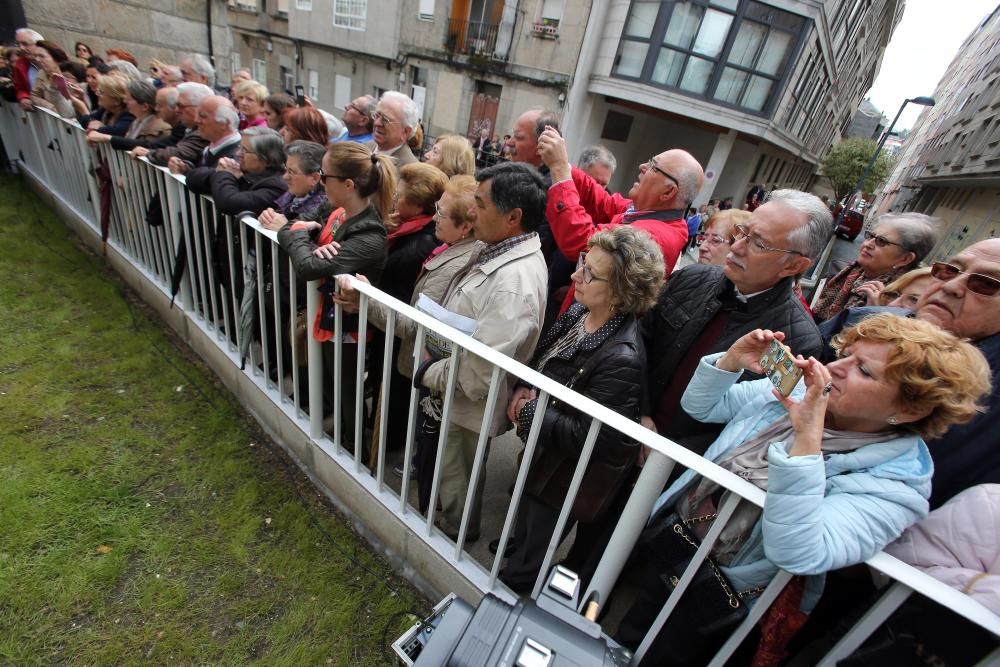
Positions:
(54, 156)
(472, 38)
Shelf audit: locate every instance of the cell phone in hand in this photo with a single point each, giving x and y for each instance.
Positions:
(59, 81)
(300, 96)
(779, 367)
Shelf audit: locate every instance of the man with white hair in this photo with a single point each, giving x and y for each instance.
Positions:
(198, 69)
(396, 117)
(218, 123)
(25, 70)
(190, 147)
(599, 163)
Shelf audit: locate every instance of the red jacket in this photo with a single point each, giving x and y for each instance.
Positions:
(578, 209)
(22, 82)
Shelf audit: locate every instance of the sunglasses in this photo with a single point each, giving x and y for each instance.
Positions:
(323, 177)
(976, 283)
(880, 240)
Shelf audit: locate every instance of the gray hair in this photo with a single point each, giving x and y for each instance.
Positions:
(195, 92)
(142, 92)
(597, 154)
(545, 119)
(267, 144)
(917, 232)
(689, 179)
(369, 111)
(202, 66)
(637, 267)
(173, 70)
(227, 113)
(126, 69)
(334, 128)
(310, 155)
(407, 107)
(811, 238)
(171, 97)
(33, 34)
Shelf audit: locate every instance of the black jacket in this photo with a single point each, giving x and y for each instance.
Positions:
(406, 257)
(362, 250)
(176, 134)
(690, 300)
(607, 367)
(251, 192)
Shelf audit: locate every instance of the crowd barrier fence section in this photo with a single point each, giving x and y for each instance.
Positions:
(225, 276)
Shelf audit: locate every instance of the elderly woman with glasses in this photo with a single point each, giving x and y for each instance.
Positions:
(895, 244)
(596, 349)
(841, 458)
(717, 235)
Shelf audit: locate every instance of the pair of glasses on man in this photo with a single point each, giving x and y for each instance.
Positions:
(651, 166)
(880, 240)
(587, 274)
(713, 239)
(756, 244)
(382, 118)
(976, 283)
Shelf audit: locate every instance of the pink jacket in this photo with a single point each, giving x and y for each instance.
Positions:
(959, 544)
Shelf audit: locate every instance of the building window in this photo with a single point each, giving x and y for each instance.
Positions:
(425, 12)
(259, 71)
(350, 14)
(281, 7)
(314, 85)
(234, 61)
(733, 52)
(304, 5)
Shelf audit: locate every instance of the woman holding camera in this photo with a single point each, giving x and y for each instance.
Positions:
(842, 460)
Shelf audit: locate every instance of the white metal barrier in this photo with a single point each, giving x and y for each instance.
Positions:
(54, 153)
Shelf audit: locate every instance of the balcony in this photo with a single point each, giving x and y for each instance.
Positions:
(472, 38)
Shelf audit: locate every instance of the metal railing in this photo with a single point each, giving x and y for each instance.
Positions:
(54, 154)
(472, 38)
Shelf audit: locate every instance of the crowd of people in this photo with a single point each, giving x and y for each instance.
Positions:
(893, 415)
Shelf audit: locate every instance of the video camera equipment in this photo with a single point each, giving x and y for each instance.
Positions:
(543, 632)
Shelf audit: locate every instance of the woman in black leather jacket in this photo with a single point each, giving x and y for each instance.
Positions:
(595, 348)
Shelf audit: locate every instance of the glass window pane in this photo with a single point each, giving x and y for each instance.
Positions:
(668, 67)
(730, 85)
(772, 60)
(756, 96)
(631, 58)
(728, 4)
(712, 34)
(683, 26)
(747, 44)
(641, 19)
(696, 75)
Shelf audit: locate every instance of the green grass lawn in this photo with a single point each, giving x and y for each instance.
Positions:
(143, 517)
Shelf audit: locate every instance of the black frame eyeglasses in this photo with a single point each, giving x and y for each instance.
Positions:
(586, 274)
(324, 176)
(651, 165)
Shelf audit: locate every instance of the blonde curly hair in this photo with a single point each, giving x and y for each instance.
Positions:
(637, 268)
(936, 370)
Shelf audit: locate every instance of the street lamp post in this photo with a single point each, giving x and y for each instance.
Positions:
(923, 101)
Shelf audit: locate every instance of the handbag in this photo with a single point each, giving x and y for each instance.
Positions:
(710, 600)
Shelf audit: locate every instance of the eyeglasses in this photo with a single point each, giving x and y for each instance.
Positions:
(880, 240)
(323, 177)
(382, 118)
(651, 165)
(441, 215)
(588, 276)
(352, 105)
(290, 172)
(976, 282)
(756, 244)
(713, 239)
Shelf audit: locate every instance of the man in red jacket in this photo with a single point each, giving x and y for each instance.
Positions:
(578, 206)
(24, 69)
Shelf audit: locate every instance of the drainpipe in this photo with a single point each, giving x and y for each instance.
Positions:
(578, 106)
(208, 24)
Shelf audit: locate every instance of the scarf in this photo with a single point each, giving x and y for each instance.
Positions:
(841, 290)
(409, 226)
(749, 461)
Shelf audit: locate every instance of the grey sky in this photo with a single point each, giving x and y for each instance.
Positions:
(924, 44)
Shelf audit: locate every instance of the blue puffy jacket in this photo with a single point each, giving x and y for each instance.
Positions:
(821, 512)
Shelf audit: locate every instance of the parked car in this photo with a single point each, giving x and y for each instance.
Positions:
(850, 225)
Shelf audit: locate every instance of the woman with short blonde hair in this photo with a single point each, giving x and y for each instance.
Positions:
(453, 155)
(250, 97)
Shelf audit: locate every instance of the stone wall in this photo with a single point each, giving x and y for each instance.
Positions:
(163, 29)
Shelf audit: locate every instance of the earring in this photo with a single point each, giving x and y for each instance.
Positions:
(892, 421)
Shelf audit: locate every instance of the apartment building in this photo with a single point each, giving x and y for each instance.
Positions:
(757, 91)
(949, 166)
